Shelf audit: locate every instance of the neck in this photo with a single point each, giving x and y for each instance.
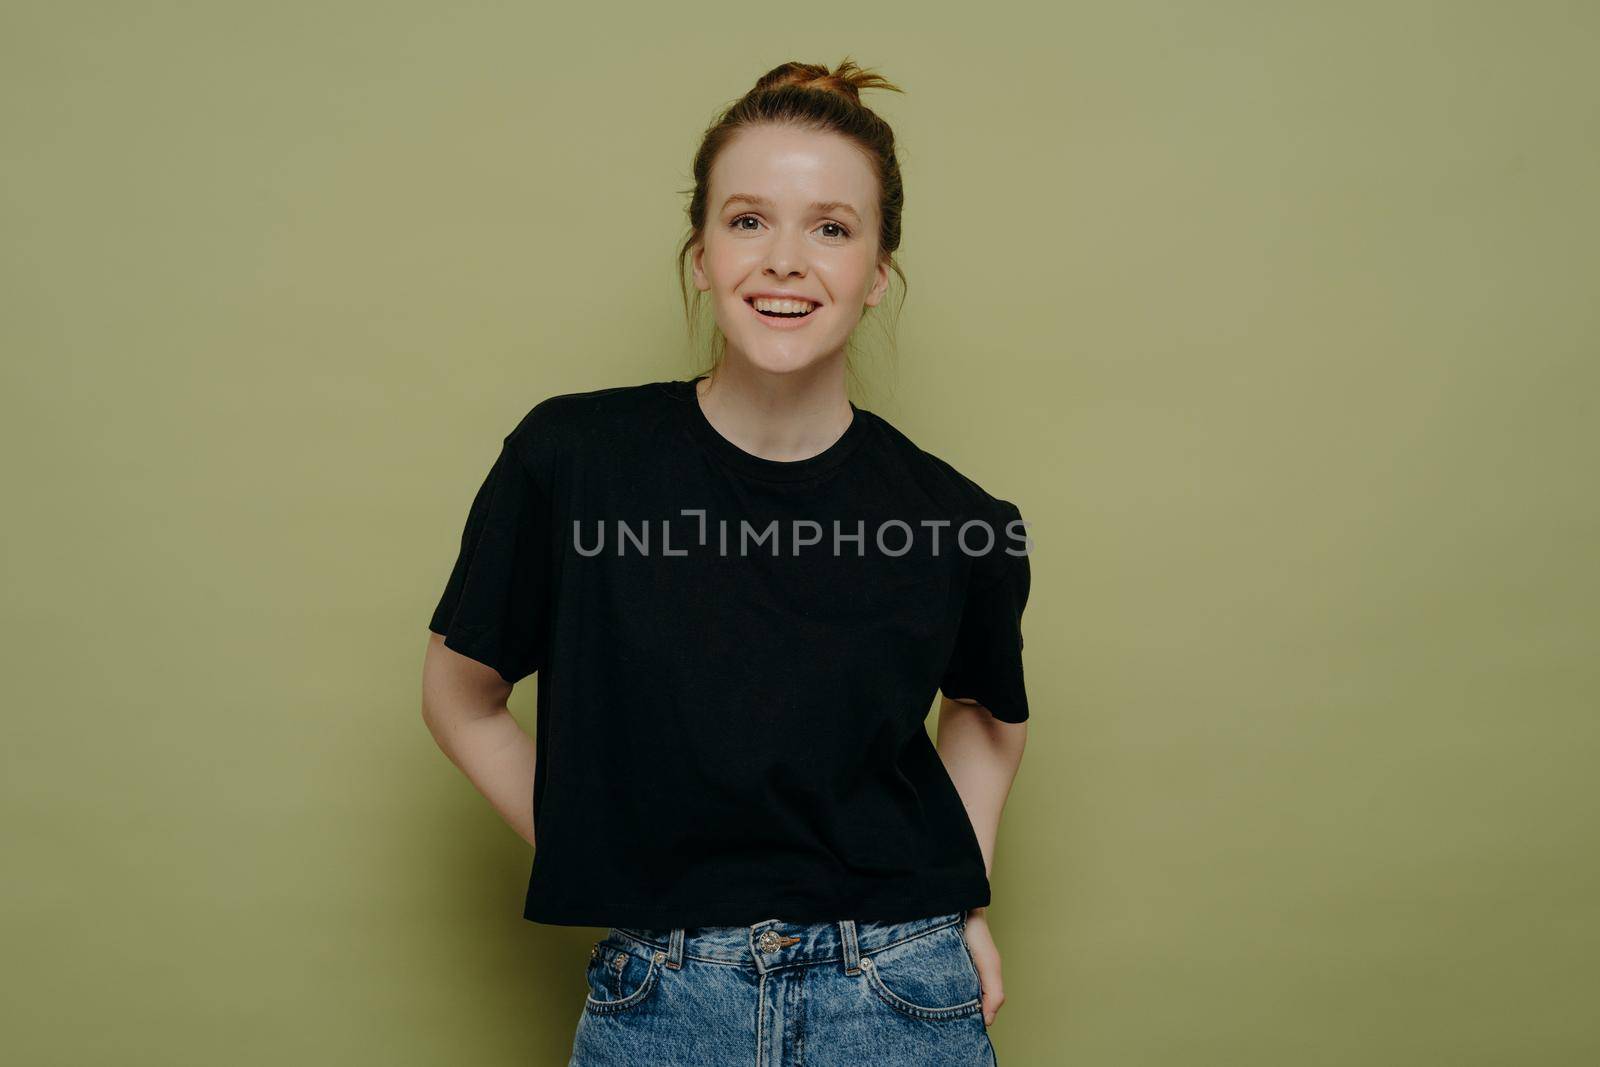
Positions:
(777, 416)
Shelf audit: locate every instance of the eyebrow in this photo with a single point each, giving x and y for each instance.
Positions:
(816, 205)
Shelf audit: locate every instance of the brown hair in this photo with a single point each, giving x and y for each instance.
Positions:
(809, 96)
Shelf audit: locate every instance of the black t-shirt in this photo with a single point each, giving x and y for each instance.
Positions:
(731, 705)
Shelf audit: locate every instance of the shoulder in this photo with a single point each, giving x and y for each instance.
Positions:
(559, 425)
(570, 413)
(954, 491)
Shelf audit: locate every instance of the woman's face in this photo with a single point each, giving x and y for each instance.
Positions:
(790, 212)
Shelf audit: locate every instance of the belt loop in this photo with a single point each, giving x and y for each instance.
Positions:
(675, 948)
(852, 954)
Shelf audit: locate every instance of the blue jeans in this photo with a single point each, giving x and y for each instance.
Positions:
(784, 994)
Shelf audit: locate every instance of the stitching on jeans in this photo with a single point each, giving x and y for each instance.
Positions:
(805, 962)
(602, 1007)
(913, 1009)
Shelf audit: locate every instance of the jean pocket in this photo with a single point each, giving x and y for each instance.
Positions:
(928, 976)
(620, 976)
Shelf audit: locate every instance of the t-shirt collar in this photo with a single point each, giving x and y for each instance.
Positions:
(771, 470)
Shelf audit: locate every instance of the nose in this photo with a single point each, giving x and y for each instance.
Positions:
(786, 254)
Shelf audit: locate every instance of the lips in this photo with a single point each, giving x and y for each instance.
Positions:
(782, 307)
(776, 321)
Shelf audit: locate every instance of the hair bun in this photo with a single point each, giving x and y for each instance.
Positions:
(847, 80)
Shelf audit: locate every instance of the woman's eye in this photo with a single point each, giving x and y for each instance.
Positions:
(736, 224)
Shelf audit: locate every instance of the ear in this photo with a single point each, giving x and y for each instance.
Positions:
(880, 283)
(696, 253)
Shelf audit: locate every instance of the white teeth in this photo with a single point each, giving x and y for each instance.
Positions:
(788, 307)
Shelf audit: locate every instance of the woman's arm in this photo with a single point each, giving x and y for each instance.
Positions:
(981, 754)
(464, 707)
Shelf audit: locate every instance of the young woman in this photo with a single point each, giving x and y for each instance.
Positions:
(741, 592)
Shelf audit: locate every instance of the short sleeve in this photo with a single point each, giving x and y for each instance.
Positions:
(986, 662)
(495, 608)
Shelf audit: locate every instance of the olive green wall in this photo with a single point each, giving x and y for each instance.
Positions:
(1277, 320)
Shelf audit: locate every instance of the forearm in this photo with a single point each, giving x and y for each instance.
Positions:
(497, 756)
(981, 755)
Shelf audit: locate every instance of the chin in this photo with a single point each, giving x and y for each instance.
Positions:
(765, 356)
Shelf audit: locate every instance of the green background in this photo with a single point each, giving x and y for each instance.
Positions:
(1277, 320)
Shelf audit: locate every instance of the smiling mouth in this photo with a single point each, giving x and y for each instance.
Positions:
(781, 314)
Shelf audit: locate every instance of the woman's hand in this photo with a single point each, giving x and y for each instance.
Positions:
(987, 957)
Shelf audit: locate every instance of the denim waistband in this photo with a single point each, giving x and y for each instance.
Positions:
(773, 943)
